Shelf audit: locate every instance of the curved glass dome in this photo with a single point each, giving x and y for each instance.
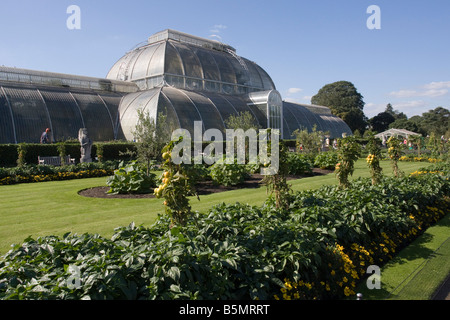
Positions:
(188, 62)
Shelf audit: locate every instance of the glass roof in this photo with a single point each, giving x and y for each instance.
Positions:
(189, 62)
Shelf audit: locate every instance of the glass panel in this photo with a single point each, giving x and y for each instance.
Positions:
(223, 106)
(255, 79)
(65, 114)
(242, 75)
(227, 73)
(175, 81)
(212, 86)
(260, 115)
(146, 101)
(173, 64)
(291, 122)
(112, 102)
(266, 80)
(287, 132)
(241, 106)
(29, 112)
(156, 65)
(209, 65)
(6, 122)
(96, 117)
(211, 117)
(193, 84)
(186, 111)
(192, 67)
(140, 68)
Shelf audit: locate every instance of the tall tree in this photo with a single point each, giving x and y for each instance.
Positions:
(345, 102)
(381, 121)
(437, 121)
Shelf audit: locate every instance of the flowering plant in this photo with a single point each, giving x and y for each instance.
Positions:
(395, 152)
(348, 153)
(373, 159)
(175, 188)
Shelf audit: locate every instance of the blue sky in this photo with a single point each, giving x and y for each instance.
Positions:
(303, 45)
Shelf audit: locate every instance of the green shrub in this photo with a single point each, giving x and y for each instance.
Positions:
(131, 178)
(228, 174)
(299, 163)
(8, 155)
(38, 173)
(326, 160)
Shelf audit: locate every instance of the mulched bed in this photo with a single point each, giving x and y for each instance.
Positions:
(203, 187)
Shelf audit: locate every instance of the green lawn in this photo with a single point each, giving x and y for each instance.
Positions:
(418, 270)
(54, 208)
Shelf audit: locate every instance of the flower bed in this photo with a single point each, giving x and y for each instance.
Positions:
(319, 248)
(40, 173)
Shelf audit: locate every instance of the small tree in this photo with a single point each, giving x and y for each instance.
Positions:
(348, 152)
(150, 136)
(311, 142)
(277, 184)
(395, 151)
(243, 120)
(373, 159)
(175, 188)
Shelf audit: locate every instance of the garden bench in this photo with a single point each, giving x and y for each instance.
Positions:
(55, 161)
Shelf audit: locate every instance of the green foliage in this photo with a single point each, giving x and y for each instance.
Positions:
(344, 101)
(151, 136)
(131, 178)
(395, 151)
(326, 160)
(243, 120)
(228, 174)
(277, 183)
(9, 155)
(373, 159)
(37, 173)
(175, 188)
(299, 164)
(326, 239)
(309, 142)
(348, 152)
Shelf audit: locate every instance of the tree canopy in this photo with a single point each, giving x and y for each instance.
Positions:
(435, 121)
(344, 101)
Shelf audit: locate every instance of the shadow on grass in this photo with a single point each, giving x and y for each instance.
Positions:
(405, 266)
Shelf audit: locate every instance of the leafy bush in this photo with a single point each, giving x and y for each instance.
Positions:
(131, 178)
(326, 160)
(228, 174)
(299, 164)
(37, 173)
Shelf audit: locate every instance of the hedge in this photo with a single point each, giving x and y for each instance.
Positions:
(107, 151)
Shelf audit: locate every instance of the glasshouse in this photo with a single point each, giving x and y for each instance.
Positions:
(185, 77)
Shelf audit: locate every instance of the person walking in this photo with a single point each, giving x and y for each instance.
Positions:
(45, 136)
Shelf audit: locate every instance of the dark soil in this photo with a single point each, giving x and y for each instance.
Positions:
(203, 187)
